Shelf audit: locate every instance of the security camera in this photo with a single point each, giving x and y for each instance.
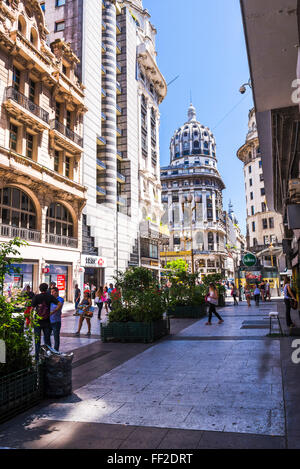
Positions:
(243, 89)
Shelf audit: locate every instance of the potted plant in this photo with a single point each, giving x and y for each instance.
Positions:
(138, 309)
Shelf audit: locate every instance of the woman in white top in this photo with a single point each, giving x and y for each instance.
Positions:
(213, 301)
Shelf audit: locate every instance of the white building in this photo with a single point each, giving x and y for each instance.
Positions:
(124, 87)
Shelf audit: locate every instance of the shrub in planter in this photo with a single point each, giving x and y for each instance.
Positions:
(138, 308)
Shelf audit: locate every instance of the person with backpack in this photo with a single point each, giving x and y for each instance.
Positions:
(42, 304)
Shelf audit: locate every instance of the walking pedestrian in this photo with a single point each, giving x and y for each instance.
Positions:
(263, 290)
(77, 295)
(99, 301)
(109, 291)
(234, 293)
(42, 303)
(105, 299)
(248, 295)
(288, 298)
(257, 295)
(212, 299)
(268, 291)
(55, 317)
(85, 306)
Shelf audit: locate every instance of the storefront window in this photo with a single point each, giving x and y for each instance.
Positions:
(16, 281)
(59, 275)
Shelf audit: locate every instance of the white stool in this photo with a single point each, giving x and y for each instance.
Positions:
(275, 315)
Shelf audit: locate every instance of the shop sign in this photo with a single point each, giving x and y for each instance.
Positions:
(249, 260)
(93, 261)
(61, 282)
(46, 270)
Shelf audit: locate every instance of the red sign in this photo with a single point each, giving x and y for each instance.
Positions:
(101, 262)
(46, 270)
(61, 282)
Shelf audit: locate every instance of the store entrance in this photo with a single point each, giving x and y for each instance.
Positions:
(94, 277)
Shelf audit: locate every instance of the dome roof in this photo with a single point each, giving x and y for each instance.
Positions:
(192, 135)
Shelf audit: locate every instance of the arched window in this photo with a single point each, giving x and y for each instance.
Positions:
(34, 37)
(210, 239)
(17, 209)
(196, 144)
(186, 146)
(59, 221)
(206, 145)
(22, 25)
(199, 239)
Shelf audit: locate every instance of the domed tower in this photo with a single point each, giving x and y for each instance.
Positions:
(192, 198)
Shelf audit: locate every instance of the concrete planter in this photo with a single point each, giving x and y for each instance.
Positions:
(221, 301)
(135, 331)
(193, 312)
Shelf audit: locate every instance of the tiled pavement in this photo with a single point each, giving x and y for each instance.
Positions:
(204, 387)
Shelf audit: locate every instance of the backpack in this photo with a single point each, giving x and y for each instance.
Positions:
(43, 311)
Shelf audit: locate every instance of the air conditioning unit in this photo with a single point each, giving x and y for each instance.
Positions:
(294, 190)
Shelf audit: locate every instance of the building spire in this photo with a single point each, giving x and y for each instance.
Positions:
(192, 113)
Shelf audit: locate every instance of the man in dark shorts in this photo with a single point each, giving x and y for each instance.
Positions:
(42, 303)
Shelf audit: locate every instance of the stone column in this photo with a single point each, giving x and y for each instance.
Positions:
(214, 206)
(204, 206)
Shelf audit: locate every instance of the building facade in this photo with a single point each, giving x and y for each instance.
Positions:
(124, 87)
(41, 191)
(192, 199)
(264, 227)
(235, 243)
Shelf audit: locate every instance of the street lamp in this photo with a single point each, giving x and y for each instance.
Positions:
(189, 199)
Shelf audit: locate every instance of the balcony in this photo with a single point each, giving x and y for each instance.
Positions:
(118, 27)
(103, 116)
(103, 26)
(59, 240)
(72, 141)
(119, 132)
(12, 232)
(120, 155)
(100, 191)
(121, 200)
(119, 89)
(100, 164)
(103, 47)
(24, 110)
(119, 48)
(119, 110)
(121, 178)
(103, 70)
(103, 93)
(119, 69)
(101, 140)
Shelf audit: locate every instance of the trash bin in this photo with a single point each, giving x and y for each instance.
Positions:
(58, 372)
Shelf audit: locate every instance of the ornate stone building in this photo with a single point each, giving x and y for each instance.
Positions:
(264, 227)
(41, 195)
(192, 198)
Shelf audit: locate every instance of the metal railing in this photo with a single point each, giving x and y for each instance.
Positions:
(101, 164)
(121, 200)
(121, 177)
(119, 108)
(59, 240)
(25, 102)
(100, 190)
(62, 129)
(12, 232)
(119, 86)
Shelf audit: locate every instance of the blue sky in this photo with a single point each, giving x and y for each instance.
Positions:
(203, 42)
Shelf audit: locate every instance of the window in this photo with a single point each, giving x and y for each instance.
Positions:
(60, 3)
(260, 164)
(263, 207)
(57, 111)
(254, 242)
(261, 177)
(59, 26)
(29, 145)
(16, 78)
(252, 210)
(69, 120)
(17, 209)
(196, 144)
(271, 222)
(266, 240)
(43, 7)
(250, 182)
(273, 239)
(153, 251)
(265, 223)
(253, 226)
(251, 196)
(210, 238)
(262, 191)
(59, 221)
(34, 37)
(13, 137)
(32, 89)
(56, 161)
(68, 167)
(250, 169)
